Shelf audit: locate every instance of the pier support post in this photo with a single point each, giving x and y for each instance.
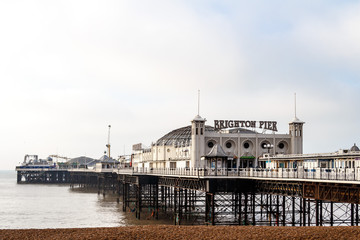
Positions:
(283, 211)
(261, 205)
(321, 212)
(317, 212)
(246, 209)
(99, 184)
(138, 201)
(240, 210)
(308, 212)
(175, 206)
(118, 186)
(18, 176)
(124, 196)
(304, 211)
(277, 210)
(104, 185)
(186, 204)
(269, 207)
(253, 208)
(293, 212)
(210, 208)
(213, 209)
(331, 214)
(166, 196)
(357, 214)
(352, 214)
(156, 201)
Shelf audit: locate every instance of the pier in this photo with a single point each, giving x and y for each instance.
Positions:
(251, 196)
(42, 175)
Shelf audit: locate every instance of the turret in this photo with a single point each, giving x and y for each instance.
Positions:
(197, 140)
(296, 133)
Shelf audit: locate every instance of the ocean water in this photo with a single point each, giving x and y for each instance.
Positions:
(24, 206)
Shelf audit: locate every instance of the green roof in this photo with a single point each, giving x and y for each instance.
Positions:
(247, 157)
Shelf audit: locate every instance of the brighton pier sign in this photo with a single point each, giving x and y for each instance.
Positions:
(267, 125)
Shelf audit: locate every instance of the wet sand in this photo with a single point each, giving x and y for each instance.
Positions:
(186, 232)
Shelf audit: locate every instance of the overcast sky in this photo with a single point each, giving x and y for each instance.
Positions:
(68, 69)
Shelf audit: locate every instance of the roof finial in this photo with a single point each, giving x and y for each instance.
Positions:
(198, 102)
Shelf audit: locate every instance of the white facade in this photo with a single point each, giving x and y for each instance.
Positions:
(185, 147)
(340, 159)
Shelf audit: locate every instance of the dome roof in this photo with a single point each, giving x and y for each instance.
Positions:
(354, 148)
(82, 160)
(179, 135)
(198, 118)
(104, 158)
(296, 120)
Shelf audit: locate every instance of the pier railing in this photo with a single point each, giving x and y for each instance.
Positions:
(343, 174)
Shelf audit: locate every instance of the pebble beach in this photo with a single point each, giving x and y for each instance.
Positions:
(186, 232)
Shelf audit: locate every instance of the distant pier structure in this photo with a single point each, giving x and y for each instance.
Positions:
(42, 175)
(35, 170)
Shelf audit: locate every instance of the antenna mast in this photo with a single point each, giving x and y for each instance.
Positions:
(108, 145)
(198, 102)
(295, 103)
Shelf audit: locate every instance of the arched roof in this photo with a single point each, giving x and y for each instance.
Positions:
(354, 148)
(179, 135)
(183, 135)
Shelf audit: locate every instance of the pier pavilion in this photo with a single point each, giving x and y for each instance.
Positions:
(187, 147)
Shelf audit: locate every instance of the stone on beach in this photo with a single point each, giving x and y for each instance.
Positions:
(186, 232)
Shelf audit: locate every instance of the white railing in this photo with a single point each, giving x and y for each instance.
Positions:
(343, 174)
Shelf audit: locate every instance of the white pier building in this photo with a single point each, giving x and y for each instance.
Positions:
(237, 142)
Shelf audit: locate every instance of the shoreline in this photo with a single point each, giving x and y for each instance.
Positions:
(186, 232)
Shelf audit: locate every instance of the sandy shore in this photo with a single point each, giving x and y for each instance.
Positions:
(186, 232)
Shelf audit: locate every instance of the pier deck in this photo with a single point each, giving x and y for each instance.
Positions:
(294, 197)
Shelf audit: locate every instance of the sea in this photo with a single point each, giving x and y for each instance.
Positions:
(41, 206)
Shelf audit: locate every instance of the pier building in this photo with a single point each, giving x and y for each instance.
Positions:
(240, 140)
(342, 159)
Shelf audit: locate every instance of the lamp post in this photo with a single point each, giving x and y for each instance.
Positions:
(269, 146)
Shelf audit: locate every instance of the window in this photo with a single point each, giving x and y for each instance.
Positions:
(246, 145)
(228, 145)
(172, 164)
(264, 145)
(281, 145)
(210, 144)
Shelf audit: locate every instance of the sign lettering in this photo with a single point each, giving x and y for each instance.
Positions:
(268, 125)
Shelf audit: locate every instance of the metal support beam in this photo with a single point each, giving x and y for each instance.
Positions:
(293, 212)
(317, 212)
(331, 214)
(357, 214)
(304, 211)
(246, 209)
(283, 211)
(240, 208)
(253, 208)
(352, 214)
(176, 216)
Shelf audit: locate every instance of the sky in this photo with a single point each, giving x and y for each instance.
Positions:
(68, 69)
